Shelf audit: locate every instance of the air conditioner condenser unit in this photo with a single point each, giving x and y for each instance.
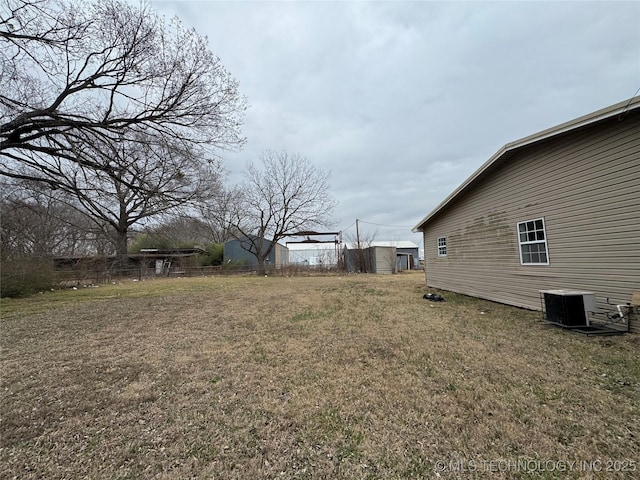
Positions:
(569, 308)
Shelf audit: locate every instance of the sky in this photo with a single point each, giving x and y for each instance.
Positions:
(402, 101)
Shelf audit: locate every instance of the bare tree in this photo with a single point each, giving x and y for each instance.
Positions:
(283, 196)
(220, 215)
(74, 73)
(148, 176)
(359, 256)
(38, 222)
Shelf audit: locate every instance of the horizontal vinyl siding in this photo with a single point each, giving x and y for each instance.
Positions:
(586, 186)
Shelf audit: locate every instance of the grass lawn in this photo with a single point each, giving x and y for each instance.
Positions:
(334, 377)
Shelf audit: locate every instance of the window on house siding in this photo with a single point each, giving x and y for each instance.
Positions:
(442, 246)
(533, 242)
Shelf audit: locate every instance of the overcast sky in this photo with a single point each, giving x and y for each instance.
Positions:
(402, 101)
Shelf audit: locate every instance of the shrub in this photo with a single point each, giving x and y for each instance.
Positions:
(213, 256)
(24, 276)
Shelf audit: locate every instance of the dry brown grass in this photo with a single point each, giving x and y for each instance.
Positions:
(325, 377)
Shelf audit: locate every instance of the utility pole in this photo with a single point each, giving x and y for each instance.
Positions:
(360, 252)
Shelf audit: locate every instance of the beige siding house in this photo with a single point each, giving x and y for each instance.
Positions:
(556, 210)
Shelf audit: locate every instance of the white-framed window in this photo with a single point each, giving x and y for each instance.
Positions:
(532, 239)
(442, 246)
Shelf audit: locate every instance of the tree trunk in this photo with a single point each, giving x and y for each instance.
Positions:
(262, 269)
(122, 252)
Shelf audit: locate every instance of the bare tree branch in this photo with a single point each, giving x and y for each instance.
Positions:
(101, 71)
(39, 222)
(285, 195)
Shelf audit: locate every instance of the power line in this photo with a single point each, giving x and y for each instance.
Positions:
(345, 229)
(382, 225)
(624, 110)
